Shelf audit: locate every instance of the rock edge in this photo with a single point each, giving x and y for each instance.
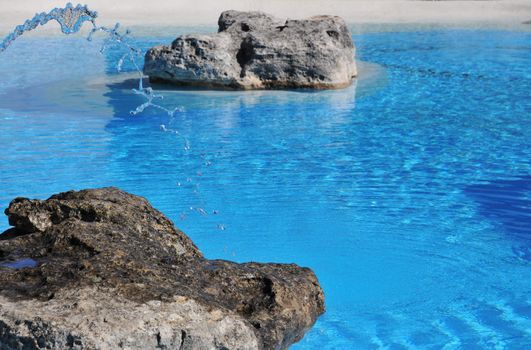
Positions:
(102, 269)
(254, 50)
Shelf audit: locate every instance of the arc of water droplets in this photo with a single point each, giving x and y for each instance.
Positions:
(148, 93)
(71, 19)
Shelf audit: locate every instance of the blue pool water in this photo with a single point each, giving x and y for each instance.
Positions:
(409, 194)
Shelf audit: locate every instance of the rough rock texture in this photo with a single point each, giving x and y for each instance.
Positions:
(102, 269)
(253, 50)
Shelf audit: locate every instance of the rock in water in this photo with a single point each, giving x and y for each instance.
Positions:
(253, 50)
(102, 269)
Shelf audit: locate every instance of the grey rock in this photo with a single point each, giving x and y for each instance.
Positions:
(253, 50)
(108, 271)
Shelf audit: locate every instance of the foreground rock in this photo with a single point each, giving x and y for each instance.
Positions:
(253, 50)
(102, 269)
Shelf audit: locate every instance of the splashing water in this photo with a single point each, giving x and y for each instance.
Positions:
(71, 19)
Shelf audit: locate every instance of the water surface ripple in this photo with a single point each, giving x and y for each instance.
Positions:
(408, 194)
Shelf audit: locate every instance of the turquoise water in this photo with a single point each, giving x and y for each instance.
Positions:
(409, 194)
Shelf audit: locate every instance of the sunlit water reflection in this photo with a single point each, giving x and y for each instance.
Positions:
(407, 193)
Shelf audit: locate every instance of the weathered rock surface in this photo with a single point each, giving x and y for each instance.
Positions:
(102, 269)
(253, 50)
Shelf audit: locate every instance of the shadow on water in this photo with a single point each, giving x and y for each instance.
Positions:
(508, 203)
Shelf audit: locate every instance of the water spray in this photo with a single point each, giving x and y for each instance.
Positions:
(71, 19)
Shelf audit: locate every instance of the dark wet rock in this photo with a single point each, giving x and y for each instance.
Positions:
(253, 50)
(114, 273)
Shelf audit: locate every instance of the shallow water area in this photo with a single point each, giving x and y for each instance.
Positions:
(19, 264)
(408, 193)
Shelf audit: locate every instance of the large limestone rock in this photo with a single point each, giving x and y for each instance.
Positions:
(253, 50)
(102, 269)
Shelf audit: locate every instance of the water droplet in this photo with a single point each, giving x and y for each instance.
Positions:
(202, 211)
